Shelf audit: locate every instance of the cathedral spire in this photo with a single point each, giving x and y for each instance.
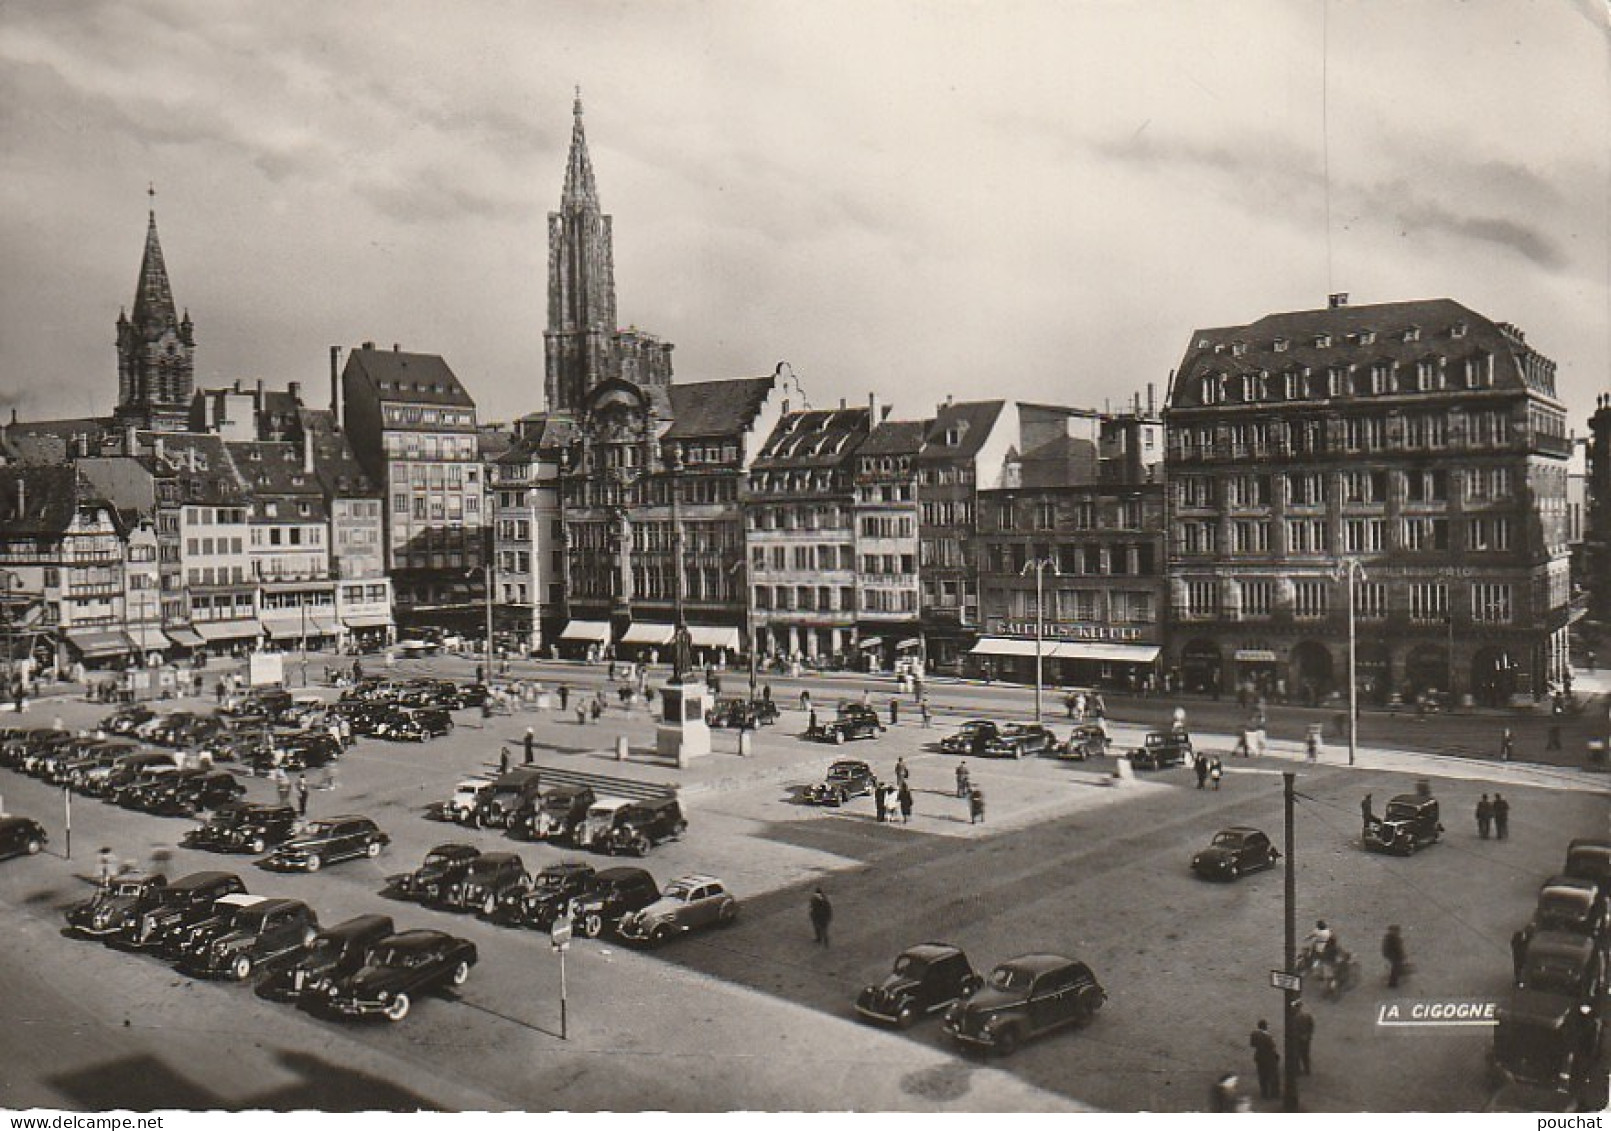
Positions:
(155, 347)
(153, 297)
(580, 191)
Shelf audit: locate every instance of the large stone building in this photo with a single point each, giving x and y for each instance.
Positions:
(1597, 530)
(886, 521)
(1420, 440)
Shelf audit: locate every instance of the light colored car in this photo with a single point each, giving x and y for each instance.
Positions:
(466, 799)
(600, 820)
(687, 904)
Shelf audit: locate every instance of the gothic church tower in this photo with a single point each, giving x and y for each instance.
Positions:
(156, 350)
(579, 346)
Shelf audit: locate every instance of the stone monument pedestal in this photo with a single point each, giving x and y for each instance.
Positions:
(682, 733)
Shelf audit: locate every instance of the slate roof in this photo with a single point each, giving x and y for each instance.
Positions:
(340, 474)
(50, 497)
(417, 378)
(1215, 350)
(814, 438)
(976, 419)
(273, 470)
(200, 462)
(895, 438)
(716, 408)
(50, 441)
(493, 441)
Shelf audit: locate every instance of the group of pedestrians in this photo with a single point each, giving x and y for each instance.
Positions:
(1495, 813)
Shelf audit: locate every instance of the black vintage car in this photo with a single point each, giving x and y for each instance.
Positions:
(1589, 858)
(746, 713)
(846, 779)
(1409, 823)
(305, 750)
(327, 841)
(187, 900)
(185, 793)
(852, 720)
(21, 836)
(269, 703)
(613, 893)
(1563, 962)
(115, 910)
(1566, 903)
(443, 866)
(548, 895)
(509, 793)
(1161, 749)
(105, 781)
(643, 824)
(256, 937)
(1549, 1041)
(1087, 740)
(397, 970)
(479, 886)
(198, 933)
(1024, 998)
(1233, 853)
(926, 979)
(335, 953)
(127, 720)
(72, 763)
(244, 827)
(412, 724)
(555, 814)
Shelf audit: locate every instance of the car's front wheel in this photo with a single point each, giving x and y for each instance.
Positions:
(461, 974)
(906, 1017)
(241, 967)
(728, 913)
(592, 924)
(397, 1008)
(1007, 1043)
(258, 845)
(373, 849)
(315, 863)
(34, 846)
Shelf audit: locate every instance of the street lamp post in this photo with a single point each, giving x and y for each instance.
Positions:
(749, 619)
(1040, 566)
(7, 580)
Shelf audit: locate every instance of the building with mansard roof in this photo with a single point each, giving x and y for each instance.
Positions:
(1420, 445)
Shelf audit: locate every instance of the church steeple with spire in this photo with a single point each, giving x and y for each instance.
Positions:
(156, 348)
(579, 344)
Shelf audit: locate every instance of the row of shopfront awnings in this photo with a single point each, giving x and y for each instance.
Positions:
(1067, 649)
(650, 634)
(93, 643)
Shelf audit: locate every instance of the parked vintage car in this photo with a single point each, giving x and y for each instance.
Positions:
(244, 827)
(1549, 1042)
(183, 903)
(443, 866)
(611, 894)
(641, 825)
(1087, 740)
(335, 953)
(1161, 749)
(104, 781)
(293, 753)
(1563, 962)
(71, 763)
(400, 723)
(687, 904)
(1233, 853)
(199, 932)
(555, 814)
(463, 803)
(926, 979)
(269, 703)
(509, 793)
(1568, 903)
(185, 793)
(127, 720)
(22, 836)
(116, 908)
(1025, 998)
(255, 937)
(397, 970)
(962, 740)
(1409, 823)
(545, 897)
(852, 720)
(1589, 858)
(479, 886)
(327, 841)
(600, 817)
(746, 713)
(845, 779)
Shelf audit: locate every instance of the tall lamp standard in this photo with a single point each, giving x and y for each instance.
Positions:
(1350, 570)
(749, 619)
(8, 580)
(1040, 566)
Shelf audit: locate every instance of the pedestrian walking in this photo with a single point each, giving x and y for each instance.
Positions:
(1485, 816)
(282, 786)
(1507, 745)
(821, 916)
(480, 674)
(1202, 771)
(106, 864)
(805, 699)
(503, 760)
(904, 797)
(878, 801)
(531, 746)
(1393, 951)
(962, 779)
(1501, 817)
(894, 710)
(1303, 1032)
(218, 690)
(811, 723)
(302, 795)
(1518, 954)
(976, 806)
(581, 714)
(1367, 817)
(1311, 745)
(923, 710)
(901, 772)
(766, 693)
(1267, 1060)
(1216, 770)
(564, 697)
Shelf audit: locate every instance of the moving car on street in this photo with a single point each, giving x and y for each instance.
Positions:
(397, 970)
(926, 979)
(853, 720)
(1409, 824)
(22, 836)
(687, 904)
(1161, 749)
(845, 779)
(328, 841)
(1233, 853)
(1025, 998)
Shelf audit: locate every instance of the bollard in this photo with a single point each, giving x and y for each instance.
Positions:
(744, 743)
(620, 748)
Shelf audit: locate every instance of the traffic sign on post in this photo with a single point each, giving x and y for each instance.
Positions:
(1281, 980)
(561, 932)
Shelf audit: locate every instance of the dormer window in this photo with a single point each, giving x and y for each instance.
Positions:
(1412, 334)
(1211, 389)
(1238, 349)
(1458, 330)
(1367, 337)
(1202, 343)
(1322, 341)
(1281, 345)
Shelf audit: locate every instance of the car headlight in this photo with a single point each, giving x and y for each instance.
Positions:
(385, 995)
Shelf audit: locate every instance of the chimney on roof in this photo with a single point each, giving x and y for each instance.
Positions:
(13, 414)
(369, 345)
(1152, 399)
(22, 497)
(397, 347)
(1340, 299)
(842, 403)
(237, 384)
(307, 450)
(259, 395)
(296, 392)
(335, 386)
(874, 409)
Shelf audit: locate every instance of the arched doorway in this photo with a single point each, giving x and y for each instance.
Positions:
(1426, 668)
(1493, 676)
(1373, 663)
(1200, 666)
(1310, 668)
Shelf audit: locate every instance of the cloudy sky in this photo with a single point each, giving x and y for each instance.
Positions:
(1033, 198)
